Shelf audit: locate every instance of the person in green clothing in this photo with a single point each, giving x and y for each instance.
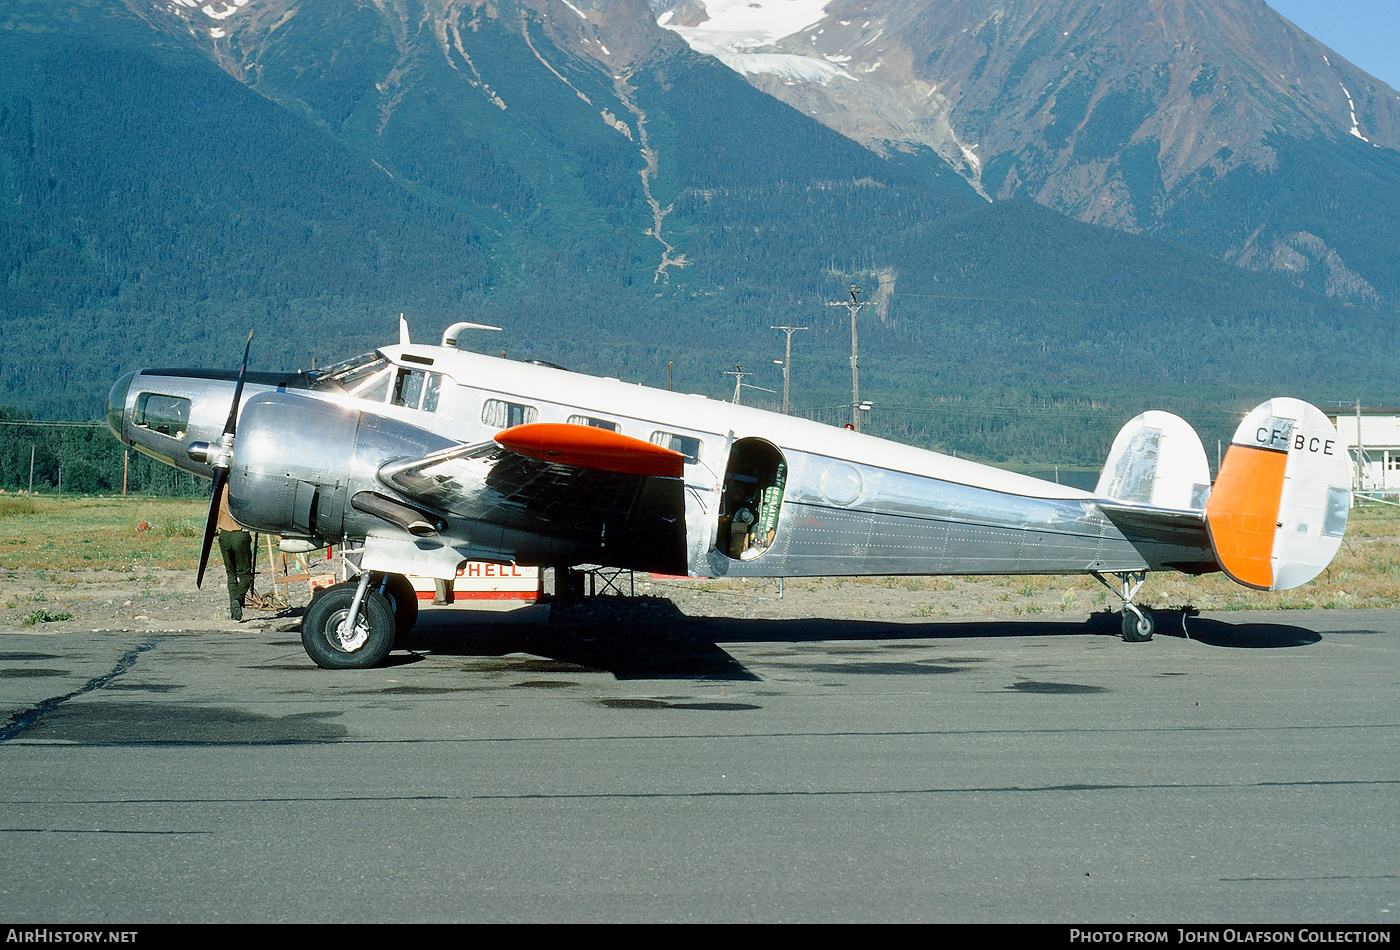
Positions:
(236, 545)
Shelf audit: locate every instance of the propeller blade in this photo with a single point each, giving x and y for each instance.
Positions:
(211, 523)
(238, 389)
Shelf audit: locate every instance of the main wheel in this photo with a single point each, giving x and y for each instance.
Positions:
(1138, 625)
(403, 601)
(332, 644)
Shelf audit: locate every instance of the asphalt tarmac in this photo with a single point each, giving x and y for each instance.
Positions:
(664, 768)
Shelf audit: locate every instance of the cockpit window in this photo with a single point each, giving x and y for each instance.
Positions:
(168, 415)
(360, 376)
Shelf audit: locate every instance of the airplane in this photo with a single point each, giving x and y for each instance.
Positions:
(420, 457)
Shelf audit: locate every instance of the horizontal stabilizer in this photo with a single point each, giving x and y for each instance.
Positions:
(592, 448)
(1279, 507)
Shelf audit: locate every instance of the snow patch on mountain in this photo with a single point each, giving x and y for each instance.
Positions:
(784, 65)
(744, 25)
(226, 9)
(1355, 129)
(736, 33)
(214, 11)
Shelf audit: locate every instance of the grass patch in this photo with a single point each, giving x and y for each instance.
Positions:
(42, 616)
(12, 507)
(67, 533)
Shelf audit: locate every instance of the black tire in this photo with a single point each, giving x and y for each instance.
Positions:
(320, 629)
(403, 601)
(1138, 628)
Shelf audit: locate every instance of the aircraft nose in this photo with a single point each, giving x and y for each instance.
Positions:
(116, 405)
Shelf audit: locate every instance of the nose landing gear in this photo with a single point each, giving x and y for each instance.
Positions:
(349, 627)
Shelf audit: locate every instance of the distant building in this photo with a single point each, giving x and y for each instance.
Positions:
(1380, 445)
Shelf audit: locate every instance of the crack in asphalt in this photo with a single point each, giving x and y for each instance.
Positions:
(26, 718)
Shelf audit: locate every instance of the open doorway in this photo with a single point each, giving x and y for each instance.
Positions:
(753, 496)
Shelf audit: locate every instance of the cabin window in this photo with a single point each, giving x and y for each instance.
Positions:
(499, 414)
(168, 415)
(753, 497)
(595, 423)
(687, 445)
(416, 389)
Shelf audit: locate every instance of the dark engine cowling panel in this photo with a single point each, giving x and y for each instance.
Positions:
(299, 459)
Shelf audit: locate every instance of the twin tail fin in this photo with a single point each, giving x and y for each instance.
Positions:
(1277, 512)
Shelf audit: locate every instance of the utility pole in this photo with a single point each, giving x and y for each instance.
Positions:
(787, 365)
(853, 305)
(1360, 483)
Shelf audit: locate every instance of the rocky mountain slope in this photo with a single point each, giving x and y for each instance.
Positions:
(1173, 117)
(1130, 114)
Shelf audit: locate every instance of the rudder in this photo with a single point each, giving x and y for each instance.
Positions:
(1278, 509)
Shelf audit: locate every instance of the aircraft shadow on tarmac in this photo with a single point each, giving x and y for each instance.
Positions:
(654, 640)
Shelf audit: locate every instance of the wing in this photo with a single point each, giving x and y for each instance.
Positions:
(606, 498)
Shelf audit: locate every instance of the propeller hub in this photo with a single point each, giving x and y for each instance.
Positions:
(218, 455)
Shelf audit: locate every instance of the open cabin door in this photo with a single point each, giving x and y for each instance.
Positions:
(752, 499)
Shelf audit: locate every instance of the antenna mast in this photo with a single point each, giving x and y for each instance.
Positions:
(738, 373)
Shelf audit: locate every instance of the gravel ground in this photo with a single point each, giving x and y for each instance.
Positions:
(168, 600)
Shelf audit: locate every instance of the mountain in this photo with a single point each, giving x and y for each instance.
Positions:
(173, 174)
(1214, 122)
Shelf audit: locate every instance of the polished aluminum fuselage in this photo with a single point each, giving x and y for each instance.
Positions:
(850, 503)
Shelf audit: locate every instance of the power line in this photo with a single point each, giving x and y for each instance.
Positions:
(37, 422)
(958, 409)
(1194, 305)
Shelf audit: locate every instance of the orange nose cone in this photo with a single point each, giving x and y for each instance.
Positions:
(592, 448)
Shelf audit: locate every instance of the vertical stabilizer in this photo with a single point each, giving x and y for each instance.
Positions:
(1157, 460)
(1279, 507)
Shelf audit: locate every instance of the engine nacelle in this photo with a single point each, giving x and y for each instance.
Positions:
(299, 461)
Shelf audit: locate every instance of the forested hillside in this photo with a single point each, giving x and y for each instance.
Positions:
(154, 208)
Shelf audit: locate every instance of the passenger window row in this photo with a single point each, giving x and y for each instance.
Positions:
(499, 414)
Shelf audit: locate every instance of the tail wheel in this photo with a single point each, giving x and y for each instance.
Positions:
(333, 644)
(1138, 625)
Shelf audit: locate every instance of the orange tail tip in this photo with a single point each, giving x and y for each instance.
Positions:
(591, 447)
(1279, 507)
